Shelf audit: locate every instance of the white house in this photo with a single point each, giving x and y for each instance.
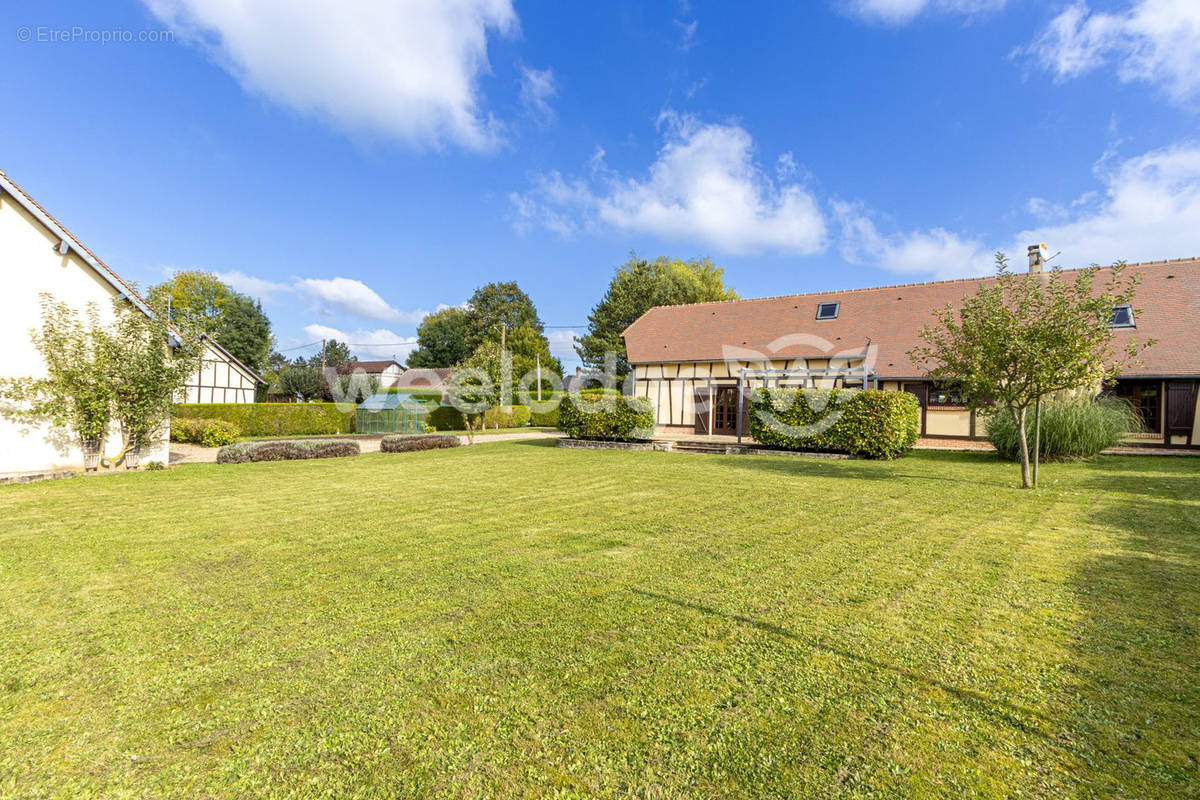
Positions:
(37, 254)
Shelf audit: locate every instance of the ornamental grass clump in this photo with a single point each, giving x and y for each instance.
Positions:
(292, 450)
(1072, 430)
(400, 443)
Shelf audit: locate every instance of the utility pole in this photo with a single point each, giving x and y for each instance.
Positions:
(322, 359)
(503, 331)
(539, 376)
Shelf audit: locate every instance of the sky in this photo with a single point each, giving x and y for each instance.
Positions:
(358, 165)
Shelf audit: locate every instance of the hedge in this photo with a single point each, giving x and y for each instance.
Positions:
(869, 423)
(204, 432)
(507, 417)
(399, 443)
(545, 419)
(445, 418)
(625, 418)
(274, 419)
(288, 450)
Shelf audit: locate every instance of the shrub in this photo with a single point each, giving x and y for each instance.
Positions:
(1071, 429)
(154, 466)
(623, 418)
(399, 443)
(274, 419)
(204, 432)
(545, 419)
(286, 450)
(446, 418)
(507, 417)
(868, 423)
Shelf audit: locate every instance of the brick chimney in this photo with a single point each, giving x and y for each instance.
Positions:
(1038, 255)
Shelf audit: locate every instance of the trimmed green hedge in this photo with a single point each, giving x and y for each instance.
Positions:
(291, 450)
(274, 419)
(204, 432)
(624, 419)
(507, 417)
(546, 419)
(446, 418)
(869, 423)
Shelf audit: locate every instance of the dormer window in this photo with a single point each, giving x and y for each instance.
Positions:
(828, 310)
(1122, 317)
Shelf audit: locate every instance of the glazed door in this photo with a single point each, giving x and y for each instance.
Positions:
(703, 402)
(725, 408)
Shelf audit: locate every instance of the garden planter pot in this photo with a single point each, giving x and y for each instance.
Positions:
(91, 456)
(132, 459)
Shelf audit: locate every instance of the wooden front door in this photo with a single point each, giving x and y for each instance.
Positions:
(725, 409)
(921, 390)
(1181, 410)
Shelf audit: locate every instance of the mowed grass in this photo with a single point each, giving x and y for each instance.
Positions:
(516, 620)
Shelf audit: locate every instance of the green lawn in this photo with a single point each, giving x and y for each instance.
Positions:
(524, 621)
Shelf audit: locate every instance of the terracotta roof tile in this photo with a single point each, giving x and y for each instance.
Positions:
(1166, 308)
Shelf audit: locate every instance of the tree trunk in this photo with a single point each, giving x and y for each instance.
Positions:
(1019, 418)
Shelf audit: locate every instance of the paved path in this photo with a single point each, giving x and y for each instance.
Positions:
(195, 454)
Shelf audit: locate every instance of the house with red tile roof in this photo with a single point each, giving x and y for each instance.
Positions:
(696, 362)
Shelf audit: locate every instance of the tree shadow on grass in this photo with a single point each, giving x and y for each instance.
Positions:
(922, 467)
(1136, 700)
(1011, 714)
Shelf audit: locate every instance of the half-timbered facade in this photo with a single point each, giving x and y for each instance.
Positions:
(222, 378)
(689, 360)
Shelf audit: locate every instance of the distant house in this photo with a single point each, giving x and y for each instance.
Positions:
(39, 255)
(424, 378)
(387, 372)
(693, 361)
(222, 378)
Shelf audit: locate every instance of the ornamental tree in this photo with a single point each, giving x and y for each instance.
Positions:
(1021, 338)
(76, 394)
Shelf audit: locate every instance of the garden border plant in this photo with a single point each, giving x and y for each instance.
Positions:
(286, 450)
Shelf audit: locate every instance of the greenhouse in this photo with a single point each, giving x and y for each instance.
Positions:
(390, 412)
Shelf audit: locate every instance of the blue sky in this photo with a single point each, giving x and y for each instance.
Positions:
(358, 170)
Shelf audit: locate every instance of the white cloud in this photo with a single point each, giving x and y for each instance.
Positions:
(404, 69)
(562, 343)
(902, 12)
(377, 343)
(352, 297)
(537, 88)
(1149, 209)
(1154, 41)
(704, 186)
(258, 288)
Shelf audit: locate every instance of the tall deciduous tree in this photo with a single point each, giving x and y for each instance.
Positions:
(638, 286)
(1021, 338)
(236, 321)
(498, 304)
(441, 339)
